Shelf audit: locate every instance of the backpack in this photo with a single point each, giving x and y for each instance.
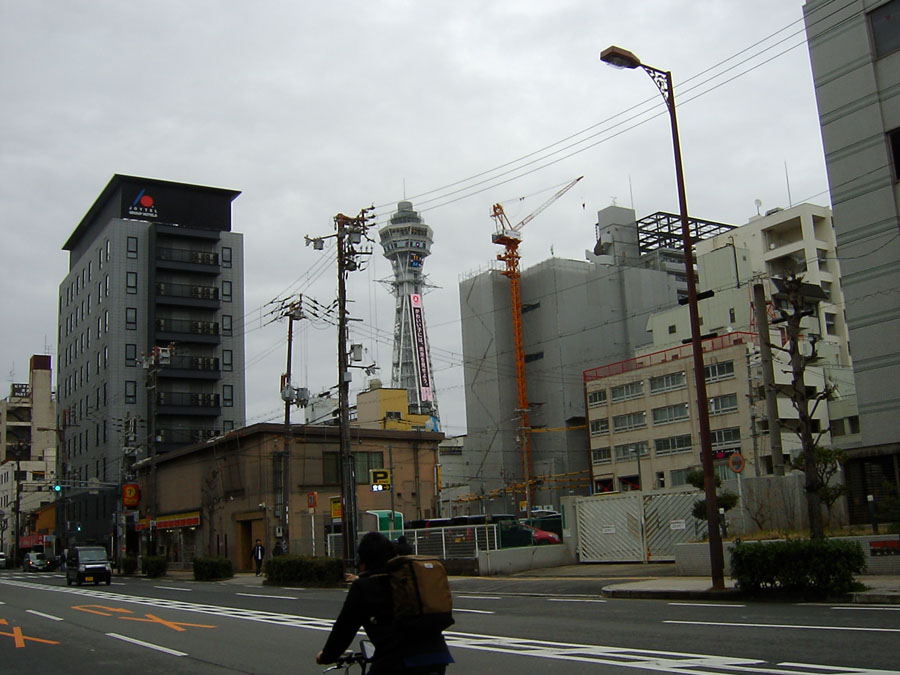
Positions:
(420, 593)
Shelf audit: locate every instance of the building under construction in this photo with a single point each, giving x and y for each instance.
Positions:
(406, 242)
(575, 314)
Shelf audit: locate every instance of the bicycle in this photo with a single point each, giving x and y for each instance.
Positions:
(362, 658)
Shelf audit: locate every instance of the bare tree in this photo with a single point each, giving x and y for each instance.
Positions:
(799, 301)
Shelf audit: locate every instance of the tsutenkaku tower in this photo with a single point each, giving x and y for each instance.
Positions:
(406, 241)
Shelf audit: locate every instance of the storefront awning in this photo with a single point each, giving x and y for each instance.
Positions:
(170, 522)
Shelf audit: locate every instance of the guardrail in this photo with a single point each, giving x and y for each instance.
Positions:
(460, 541)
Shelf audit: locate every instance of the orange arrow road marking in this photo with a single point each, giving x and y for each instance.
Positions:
(94, 609)
(174, 625)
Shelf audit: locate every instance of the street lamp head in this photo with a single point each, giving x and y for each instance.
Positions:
(619, 58)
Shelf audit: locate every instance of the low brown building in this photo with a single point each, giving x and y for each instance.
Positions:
(218, 497)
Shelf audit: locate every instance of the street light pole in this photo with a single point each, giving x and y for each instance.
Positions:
(622, 58)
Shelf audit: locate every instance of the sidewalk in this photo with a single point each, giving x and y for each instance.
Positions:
(642, 581)
(654, 581)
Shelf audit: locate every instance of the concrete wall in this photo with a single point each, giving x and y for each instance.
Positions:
(511, 560)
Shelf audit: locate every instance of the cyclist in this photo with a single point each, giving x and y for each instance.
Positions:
(369, 605)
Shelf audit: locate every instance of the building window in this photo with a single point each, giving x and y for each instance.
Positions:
(599, 426)
(535, 356)
(672, 445)
(635, 420)
(831, 323)
(130, 391)
(668, 382)
(228, 425)
(226, 291)
(226, 325)
(601, 455)
(226, 256)
(885, 22)
(365, 461)
(106, 285)
(678, 477)
(628, 451)
(719, 371)
(227, 395)
(726, 437)
(131, 282)
(894, 143)
(731, 318)
(719, 405)
(626, 392)
(671, 413)
(130, 355)
(105, 356)
(105, 321)
(672, 329)
(131, 246)
(596, 398)
(227, 359)
(130, 318)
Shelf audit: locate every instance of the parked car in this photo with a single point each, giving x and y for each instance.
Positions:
(35, 562)
(88, 563)
(3, 561)
(542, 536)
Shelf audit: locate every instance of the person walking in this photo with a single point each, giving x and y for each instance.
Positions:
(258, 553)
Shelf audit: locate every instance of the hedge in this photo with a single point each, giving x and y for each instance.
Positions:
(210, 569)
(817, 567)
(154, 565)
(297, 570)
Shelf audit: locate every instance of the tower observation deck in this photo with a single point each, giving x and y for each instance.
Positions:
(406, 241)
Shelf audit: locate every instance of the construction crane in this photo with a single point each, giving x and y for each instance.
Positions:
(510, 236)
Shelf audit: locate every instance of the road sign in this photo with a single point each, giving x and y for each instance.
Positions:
(736, 462)
(380, 479)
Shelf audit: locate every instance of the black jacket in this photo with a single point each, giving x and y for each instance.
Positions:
(369, 605)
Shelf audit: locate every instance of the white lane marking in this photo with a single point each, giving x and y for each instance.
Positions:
(683, 663)
(573, 600)
(871, 608)
(788, 625)
(702, 604)
(149, 645)
(472, 611)
(174, 588)
(46, 616)
(479, 597)
(263, 595)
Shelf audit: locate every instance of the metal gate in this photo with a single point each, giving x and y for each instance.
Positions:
(635, 527)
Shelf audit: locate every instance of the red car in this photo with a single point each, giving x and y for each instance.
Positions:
(542, 536)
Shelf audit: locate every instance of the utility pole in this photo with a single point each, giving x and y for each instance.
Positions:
(349, 235)
(765, 352)
(289, 395)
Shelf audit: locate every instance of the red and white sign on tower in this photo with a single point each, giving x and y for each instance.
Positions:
(420, 340)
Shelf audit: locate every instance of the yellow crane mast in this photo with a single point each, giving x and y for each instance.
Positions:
(510, 236)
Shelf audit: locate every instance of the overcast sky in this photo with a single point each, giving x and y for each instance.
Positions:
(315, 108)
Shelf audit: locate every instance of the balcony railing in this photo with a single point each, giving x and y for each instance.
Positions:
(183, 255)
(187, 399)
(170, 290)
(164, 325)
(185, 436)
(199, 363)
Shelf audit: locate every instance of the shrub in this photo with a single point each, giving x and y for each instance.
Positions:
(129, 564)
(295, 570)
(817, 567)
(154, 565)
(209, 569)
